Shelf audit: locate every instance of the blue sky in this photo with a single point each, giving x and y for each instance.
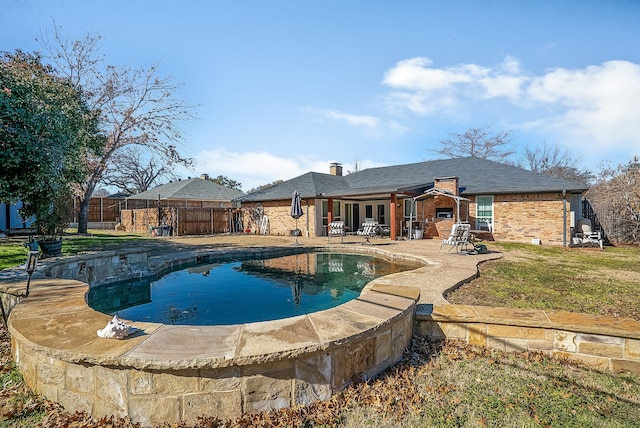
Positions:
(285, 87)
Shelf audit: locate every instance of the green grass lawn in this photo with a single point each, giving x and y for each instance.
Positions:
(13, 252)
(577, 280)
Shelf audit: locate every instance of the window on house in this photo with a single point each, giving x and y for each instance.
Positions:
(484, 212)
(337, 215)
(325, 217)
(381, 219)
(368, 211)
(348, 216)
(408, 207)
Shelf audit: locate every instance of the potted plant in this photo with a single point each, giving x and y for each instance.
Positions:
(51, 219)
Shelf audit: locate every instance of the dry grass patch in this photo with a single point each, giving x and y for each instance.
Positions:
(577, 280)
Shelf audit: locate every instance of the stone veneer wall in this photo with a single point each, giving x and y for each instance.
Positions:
(177, 373)
(106, 266)
(599, 342)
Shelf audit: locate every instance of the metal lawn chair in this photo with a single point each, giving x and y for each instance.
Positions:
(458, 238)
(368, 231)
(336, 228)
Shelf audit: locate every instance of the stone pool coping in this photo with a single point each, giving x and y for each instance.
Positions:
(56, 320)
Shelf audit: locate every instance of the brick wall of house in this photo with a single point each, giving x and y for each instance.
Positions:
(280, 220)
(517, 218)
(522, 218)
(448, 184)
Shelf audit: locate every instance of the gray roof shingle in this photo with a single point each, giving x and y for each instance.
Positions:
(191, 189)
(477, 176)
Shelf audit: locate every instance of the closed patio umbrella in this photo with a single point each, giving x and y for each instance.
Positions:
(296, 210)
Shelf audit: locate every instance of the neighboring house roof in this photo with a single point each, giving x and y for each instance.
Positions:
(191, 189)
(476, 176)
(119, 195)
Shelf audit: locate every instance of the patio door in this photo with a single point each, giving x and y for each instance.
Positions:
(356, 217)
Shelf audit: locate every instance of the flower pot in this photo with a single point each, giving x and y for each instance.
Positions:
(51, 247)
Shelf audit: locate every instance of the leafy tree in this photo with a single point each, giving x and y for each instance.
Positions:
(556, 162)
(101, 193)
(266, 186)
(137, 108)
(131, 172)
(45, 128)
(477, 142)
(227, 182)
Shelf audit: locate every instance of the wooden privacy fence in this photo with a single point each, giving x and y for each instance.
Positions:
(179, 221)
(100, 209)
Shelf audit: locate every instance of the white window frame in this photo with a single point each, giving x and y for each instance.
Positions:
(480, 219)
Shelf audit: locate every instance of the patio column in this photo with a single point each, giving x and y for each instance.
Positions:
(392, 217)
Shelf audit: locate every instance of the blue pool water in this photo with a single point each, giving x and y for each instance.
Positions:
(244, 291)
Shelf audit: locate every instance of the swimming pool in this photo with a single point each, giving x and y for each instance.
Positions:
(246, 291)
(174, 373)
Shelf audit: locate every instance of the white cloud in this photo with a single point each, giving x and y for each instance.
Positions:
(422, 89)
(370, 125)
(254, 169)
(595, 108)
(416, 74)
(364, 121)
(596, 105)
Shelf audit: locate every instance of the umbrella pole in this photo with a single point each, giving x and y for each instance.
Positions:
(296, 232)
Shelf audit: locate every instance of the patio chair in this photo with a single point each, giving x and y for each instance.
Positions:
(336, 228)
(368, 231)
(458, 238)
(586, 234)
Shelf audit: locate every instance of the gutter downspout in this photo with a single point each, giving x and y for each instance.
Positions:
(564, 218)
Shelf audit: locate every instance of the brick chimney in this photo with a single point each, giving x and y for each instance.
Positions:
(335, 169)
(449, 184)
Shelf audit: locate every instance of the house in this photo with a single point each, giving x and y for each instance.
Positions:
(194, 206)
(194, 192)
(507, 202)
(10, 219)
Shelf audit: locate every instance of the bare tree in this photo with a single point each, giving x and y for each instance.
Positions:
(356, 167)
(131, 172)
(556, 162)
(478, 142)
(137, 108)
(616, 201)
